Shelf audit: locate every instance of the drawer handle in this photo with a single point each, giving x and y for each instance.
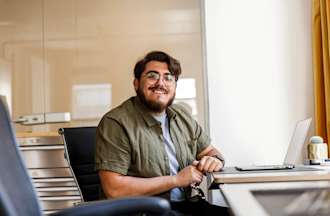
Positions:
(50, 180)
(60, 198)
(54, 189)
(41, 148)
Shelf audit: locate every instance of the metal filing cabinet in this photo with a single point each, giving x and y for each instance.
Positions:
(51, 175)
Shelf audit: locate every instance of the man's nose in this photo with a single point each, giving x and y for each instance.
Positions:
(160, 81)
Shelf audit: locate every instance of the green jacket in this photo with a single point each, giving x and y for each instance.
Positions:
(130, 141)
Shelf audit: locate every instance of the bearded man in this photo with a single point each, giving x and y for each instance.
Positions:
(147, 146)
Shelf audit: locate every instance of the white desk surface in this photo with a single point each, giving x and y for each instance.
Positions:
(243, 203)
(233, 176)
(237, 187)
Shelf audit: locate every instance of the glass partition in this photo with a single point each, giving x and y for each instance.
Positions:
(78, 56)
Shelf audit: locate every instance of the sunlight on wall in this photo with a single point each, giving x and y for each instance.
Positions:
(90, 100)
(186, 94)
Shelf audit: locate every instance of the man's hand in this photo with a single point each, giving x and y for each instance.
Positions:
(189, 175)
(208, 164)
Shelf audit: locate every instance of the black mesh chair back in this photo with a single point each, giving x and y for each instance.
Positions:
(17, 194)
(79, 149)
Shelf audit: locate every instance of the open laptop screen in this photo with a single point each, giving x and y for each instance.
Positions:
(294, 151)
(297, 142)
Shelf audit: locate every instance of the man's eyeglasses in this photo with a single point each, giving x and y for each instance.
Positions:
(154, 76)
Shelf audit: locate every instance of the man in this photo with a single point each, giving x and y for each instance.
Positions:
(147, 146)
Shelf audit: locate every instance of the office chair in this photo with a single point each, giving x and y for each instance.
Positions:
(79, 145)
(18, 196)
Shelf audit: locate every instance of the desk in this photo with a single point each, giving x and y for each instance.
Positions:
(239, 189)
(231, 176)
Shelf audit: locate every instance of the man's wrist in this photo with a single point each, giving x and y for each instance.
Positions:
(175, 181)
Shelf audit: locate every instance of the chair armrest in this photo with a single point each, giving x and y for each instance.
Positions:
(124, 206)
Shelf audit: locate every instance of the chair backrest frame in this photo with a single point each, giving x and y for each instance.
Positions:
(68, 148)
(67, 157)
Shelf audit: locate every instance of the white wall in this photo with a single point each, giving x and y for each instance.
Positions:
(5, 80)
(259, 76)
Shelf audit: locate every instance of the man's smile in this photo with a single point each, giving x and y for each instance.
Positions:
(158, 90)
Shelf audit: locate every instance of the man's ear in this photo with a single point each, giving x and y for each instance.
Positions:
(136, 84)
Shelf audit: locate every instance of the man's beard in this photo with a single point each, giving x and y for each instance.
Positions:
(154, 106)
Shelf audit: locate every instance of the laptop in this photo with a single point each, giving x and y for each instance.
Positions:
(293, 153)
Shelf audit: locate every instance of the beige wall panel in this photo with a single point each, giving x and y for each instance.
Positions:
(80, 42)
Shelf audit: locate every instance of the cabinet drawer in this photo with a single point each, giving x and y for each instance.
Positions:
(36, 141)
(54, 182)
(56, 203)
(44, 156)
(50, 173)
(57, 191)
